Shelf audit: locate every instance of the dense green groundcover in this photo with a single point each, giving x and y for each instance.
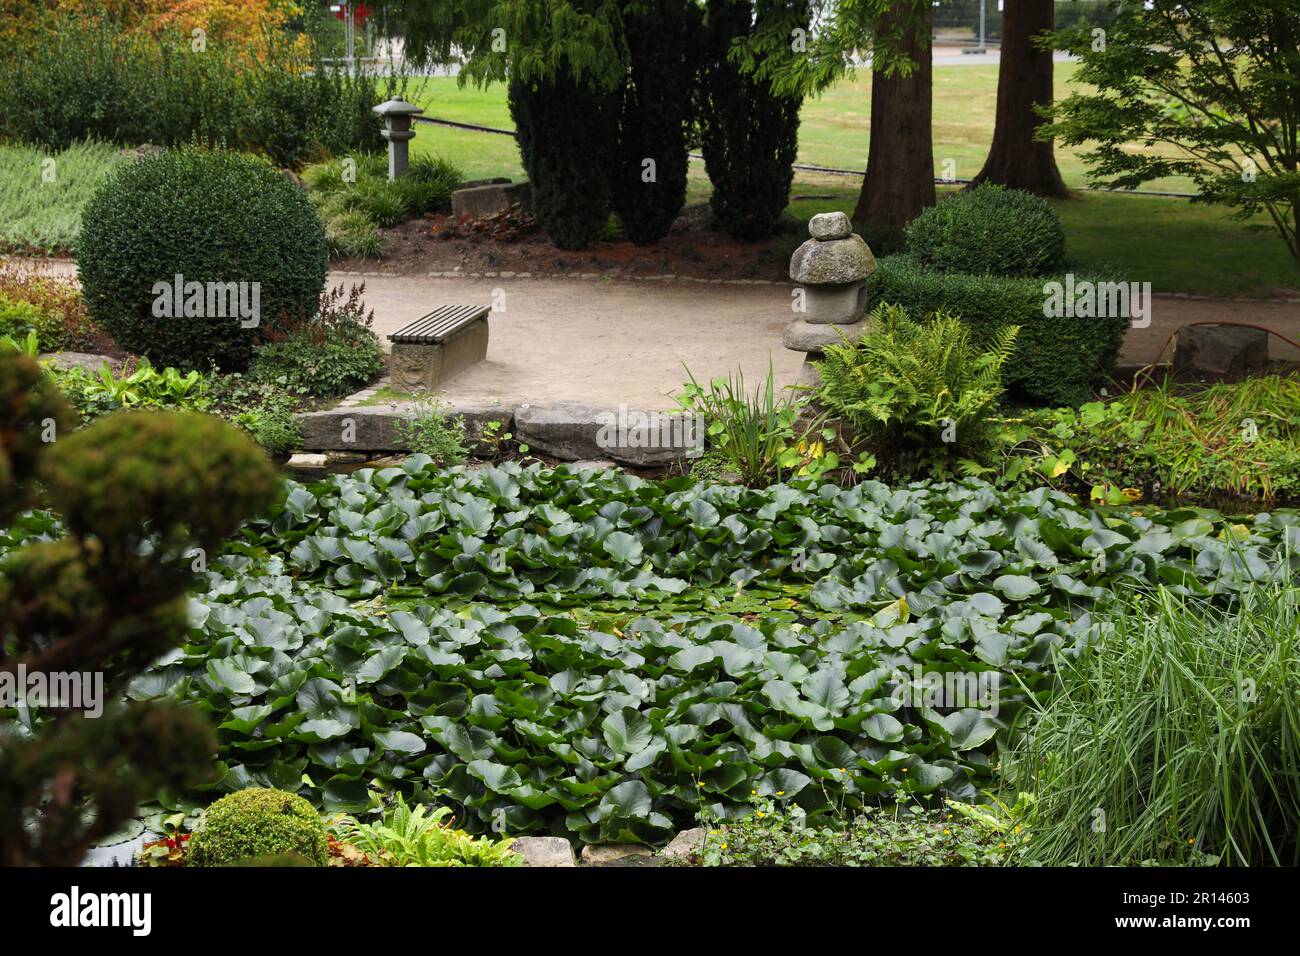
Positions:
(595, 654)
(684, 646)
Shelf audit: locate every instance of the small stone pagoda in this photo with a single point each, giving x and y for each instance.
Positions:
(832, 269)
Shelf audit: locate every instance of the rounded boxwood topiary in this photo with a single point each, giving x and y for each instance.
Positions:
(989, 230)
(191, 256)
(255, 823)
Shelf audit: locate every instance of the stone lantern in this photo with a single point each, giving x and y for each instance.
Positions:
(832, 269)
(397, 115)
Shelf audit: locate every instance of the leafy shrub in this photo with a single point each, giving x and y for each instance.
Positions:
(352, 235)
(88, 78)
(258, 822)
(1182, 728)
(758, 437)
(503, 589)
(333, 353)
(266, 411)
(1238, 439)
(207, 217)
(354, 207)
(776, 834)
(749, 136)
(916, 388)
(989, 230)
(566, 133)
(1056, 361)
(60, 320)
(434, 431)
(654, 118)
(95, 394)
(407, 836)
(18, 318)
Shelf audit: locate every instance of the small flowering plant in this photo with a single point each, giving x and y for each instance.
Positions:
(170, 849)
(779, 833)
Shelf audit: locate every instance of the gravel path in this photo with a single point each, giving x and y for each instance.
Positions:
(610, 342)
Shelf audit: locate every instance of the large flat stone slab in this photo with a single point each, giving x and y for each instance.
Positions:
(373, 428)
(1219, 350)
(575, 431)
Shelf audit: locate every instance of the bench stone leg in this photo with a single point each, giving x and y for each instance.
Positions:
(413, 367)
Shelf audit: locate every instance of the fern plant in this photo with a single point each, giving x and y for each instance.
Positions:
(916, 390)
(417, 836)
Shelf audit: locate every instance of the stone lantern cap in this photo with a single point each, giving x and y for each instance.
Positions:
(396, 107)
(834, 255)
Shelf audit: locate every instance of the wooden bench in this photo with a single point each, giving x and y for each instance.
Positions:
(436, 347)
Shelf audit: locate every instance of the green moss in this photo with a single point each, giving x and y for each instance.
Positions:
(258, 823)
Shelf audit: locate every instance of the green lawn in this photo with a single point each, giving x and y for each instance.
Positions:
(834, 129)
(1177, 245)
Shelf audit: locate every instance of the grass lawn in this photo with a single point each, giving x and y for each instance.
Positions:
(1176, 245)
(834, 129)
(40, 203)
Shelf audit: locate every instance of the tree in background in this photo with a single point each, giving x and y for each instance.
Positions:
(1019, 158)
(567, 133)
(144, 497)
(749, 130)
(1214, 84)
(565, 63)
(241, 23)
(648, 172)
(899, 180)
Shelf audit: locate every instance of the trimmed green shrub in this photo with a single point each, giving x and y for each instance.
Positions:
(1056, 359)
(656, 113)
(989, 230)
(566, 134)
(749, 136)
(258, 822)
(207, 217)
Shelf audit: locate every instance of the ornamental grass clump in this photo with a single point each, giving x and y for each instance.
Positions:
(1177, 740)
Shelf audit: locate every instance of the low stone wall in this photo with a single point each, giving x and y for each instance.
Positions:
(569, 431)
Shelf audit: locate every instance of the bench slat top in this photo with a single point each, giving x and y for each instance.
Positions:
(438, 324)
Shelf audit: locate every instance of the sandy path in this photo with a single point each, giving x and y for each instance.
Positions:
(611, 342)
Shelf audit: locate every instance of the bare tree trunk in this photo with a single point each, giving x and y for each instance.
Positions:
(1016, 159)
(900, 160)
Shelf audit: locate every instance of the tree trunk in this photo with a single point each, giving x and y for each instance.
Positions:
(1016, 159)
(900, 160)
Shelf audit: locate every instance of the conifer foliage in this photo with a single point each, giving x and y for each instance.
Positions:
(648, 178)
(566, 131)
(750, 135)
(143, 497)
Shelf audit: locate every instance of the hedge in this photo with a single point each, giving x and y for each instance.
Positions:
(1056, 361)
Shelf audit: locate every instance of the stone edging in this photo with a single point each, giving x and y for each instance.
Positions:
(568, 431)
(588, 276)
